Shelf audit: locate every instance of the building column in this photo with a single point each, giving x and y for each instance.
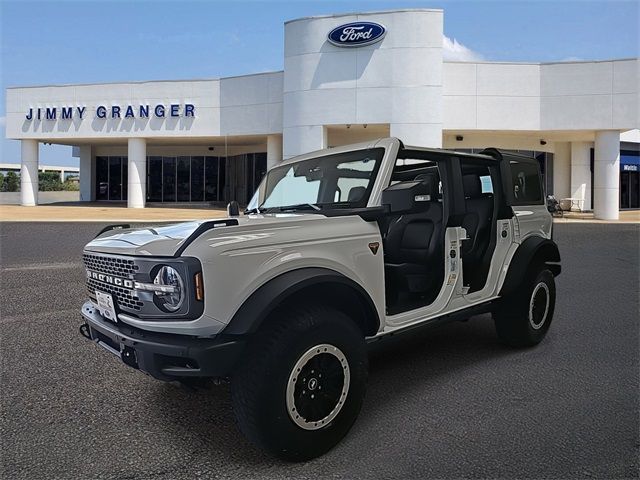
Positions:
(562, 170)
(606, 175)
(29, 173)
(137, 184)
(300, 140)
(274, 150)
(581, 174)
(87, 174)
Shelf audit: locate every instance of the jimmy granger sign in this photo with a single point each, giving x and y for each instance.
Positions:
(114, 111)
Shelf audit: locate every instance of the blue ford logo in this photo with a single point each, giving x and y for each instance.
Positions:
(356, 34)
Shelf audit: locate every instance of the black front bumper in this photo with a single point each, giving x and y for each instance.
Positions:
(162, 355)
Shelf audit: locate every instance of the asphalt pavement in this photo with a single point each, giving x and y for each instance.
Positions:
(452, 403)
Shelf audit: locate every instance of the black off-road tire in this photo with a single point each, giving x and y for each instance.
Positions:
(259, 387)
(522, 320)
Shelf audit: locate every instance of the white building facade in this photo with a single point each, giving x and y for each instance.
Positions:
(213, 140)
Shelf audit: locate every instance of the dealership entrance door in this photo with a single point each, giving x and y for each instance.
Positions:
(630, 189)
(111, 178)
(185, 179)
(243, 175)
(629, 179)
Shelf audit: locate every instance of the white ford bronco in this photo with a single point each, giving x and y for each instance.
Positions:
(337, 249)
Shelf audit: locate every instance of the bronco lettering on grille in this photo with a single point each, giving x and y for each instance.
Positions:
(110, 279)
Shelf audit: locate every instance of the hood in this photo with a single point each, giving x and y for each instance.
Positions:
(161, 240)
(170, 240)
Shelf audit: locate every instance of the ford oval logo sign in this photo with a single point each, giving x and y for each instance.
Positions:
(356, 34)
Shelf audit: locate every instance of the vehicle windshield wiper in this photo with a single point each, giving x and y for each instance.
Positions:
(300, 206)
(283, 208)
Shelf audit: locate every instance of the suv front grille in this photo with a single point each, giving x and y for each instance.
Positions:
(111, 265)
(119, 267)
(125, 298)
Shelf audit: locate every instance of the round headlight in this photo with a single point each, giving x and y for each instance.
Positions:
(173, 297)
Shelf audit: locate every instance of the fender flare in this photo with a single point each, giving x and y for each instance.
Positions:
(255, 309)
(533, 249)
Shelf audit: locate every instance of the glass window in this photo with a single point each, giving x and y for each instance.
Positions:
(102, 178)
(154, 179)
(256, 170)
(261, 168)
(350, 189)
(222, 179)
(211, 179)
(316, 180)
(115, 178)
(292, 190)
(197, 179)
(184, 179)
(525, 179)
(237, 168)
(624, 189)
(169, 179)
(125, 177)
(634, 189)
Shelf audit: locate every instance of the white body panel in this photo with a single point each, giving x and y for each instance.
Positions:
(152, 241)
(533, 220)
(236, 261)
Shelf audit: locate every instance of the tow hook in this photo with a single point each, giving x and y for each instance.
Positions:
(84, 331)
(128, 356)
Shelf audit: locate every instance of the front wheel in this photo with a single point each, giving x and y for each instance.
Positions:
(302, 383)
(523, 318)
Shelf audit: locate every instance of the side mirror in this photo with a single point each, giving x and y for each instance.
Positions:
(233, 209)
(407, 197)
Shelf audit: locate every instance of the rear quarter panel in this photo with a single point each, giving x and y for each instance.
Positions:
(533, 220)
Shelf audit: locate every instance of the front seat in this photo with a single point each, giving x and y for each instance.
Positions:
(356, 194)
(476, 221)
(413, 246)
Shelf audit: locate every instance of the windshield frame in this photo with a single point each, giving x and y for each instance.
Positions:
(377, 153)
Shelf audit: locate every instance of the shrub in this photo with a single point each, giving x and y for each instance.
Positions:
(49, 181)
(70, 186)
(12, 182)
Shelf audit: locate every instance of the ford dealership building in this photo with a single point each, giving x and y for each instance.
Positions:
(346, 78)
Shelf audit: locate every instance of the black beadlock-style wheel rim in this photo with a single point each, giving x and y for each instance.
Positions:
(539, 305)
(318, 387)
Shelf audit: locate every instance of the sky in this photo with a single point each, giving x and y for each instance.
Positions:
(58, 42)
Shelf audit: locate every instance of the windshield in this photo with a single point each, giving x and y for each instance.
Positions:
(343, 180)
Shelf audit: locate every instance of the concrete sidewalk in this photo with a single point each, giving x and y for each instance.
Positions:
(101, 212)
(13, 198)
(626, 216)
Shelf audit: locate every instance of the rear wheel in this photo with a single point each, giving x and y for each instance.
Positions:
(524, 317)
(302, 383)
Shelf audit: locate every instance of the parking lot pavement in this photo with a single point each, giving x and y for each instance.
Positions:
(448, 404)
